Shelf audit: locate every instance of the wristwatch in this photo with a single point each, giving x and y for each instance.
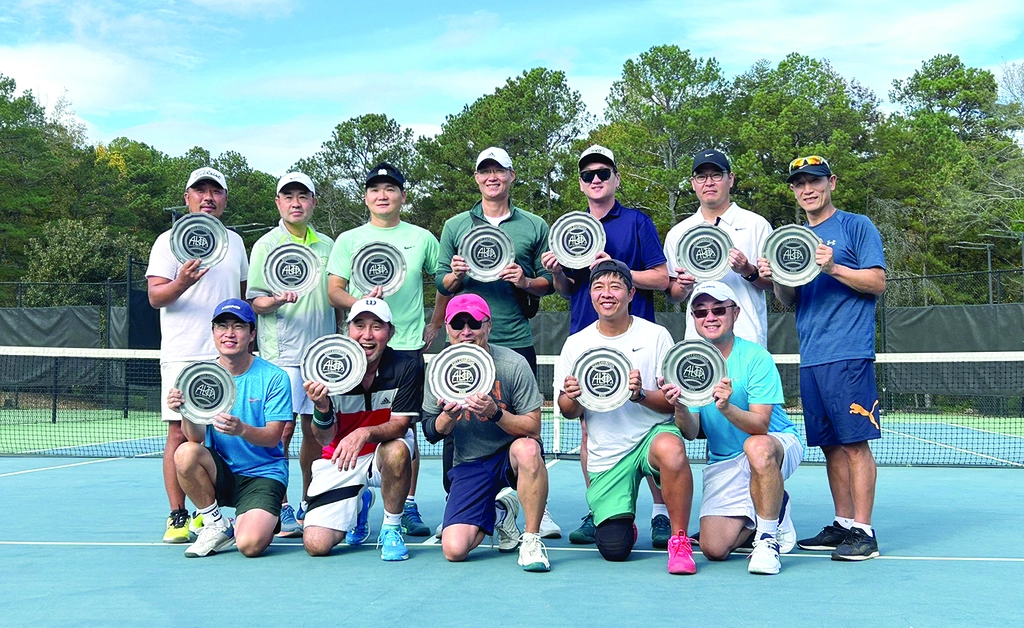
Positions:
(494, 418)
(752, 277)
(639, 398)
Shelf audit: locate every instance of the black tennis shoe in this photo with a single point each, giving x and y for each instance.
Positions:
(857, 546)
(830, 537)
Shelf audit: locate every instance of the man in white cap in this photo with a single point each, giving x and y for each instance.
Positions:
(366, 442)
(631, 238)
(753, 447)
(289, 322)
(384, 197)
(185, 296)
(712, 178)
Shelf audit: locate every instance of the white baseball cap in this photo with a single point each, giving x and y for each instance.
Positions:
(296, 177)
(716, 290)
(598, 153)
(495, 154)
(377, 307)
(207, 173)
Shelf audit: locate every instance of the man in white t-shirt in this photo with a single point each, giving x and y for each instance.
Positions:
(185, 296)
(637, 439)
(712, 178)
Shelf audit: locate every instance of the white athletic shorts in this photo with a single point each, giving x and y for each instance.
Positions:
(340, 514)
(169, 372)
(301, 404)
(727, 483)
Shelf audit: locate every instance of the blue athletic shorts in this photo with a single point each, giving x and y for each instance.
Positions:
(474, 485)
(840, 402)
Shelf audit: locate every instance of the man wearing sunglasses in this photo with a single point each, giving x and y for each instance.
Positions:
(630, 237)
(634, 440)
(753, 447)
(712, 179)
(835, 322)
(497, 447)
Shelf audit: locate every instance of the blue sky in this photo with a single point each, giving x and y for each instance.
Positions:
(271, 78)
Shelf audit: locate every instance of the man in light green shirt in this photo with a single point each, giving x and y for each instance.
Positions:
(289, 322)
(385, 195)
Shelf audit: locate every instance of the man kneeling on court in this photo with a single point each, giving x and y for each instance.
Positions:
(240, 461)
(367, 442)
(497, 445)
(752, 445)
(637, 439)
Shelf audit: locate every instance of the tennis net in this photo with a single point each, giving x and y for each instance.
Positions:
(934, 409)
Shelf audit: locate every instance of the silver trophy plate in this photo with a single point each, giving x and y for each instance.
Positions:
(695, 366)
(576, 238)
(790, 251)
(336, 361)
(603, 375)
(378, 264)
(459, 371)
(704, 252)
(292, 267)
(208, 390)
(199, 236)
(487, 250)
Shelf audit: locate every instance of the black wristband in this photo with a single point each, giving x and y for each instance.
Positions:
(752, 277)
(497, 416)
(322, 420)
(640, 397)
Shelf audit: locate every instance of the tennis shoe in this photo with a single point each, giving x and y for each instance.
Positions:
(300, 514)
(211, 539)
(533, 556)
(391, 544)
(680, 555)
(548, 528)
(857, 546)
(585, 534)
(359, 534)
(412, 523)
(787, 531)
(506, 528)
(194, 525)
(764, 559)
(661, 531)
(290, 527)
(830, 537)
(177, 527)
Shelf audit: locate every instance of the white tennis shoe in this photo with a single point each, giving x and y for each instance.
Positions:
(548, 528)
(211, 539)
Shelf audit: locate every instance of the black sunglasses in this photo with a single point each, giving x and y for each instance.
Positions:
(458, 324)
(603, 174)
(718, 310)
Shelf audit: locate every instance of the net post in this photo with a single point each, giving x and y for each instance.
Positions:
(56, 379)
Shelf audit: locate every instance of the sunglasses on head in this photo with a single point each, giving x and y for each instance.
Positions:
(800, 162)
(718, 310)
(458, 324)
(603, 174)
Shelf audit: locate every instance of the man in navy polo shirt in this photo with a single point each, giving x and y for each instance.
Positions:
(630, 237)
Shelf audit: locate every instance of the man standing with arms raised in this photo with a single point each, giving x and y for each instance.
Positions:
(712, 178)
(288, 322)
(385, 195)
(835, 321)
(185, 296)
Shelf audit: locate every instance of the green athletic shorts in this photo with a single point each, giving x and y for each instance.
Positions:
(245, 492)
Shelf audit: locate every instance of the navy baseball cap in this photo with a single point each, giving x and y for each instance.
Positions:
(813, 165)
(385, 172)
(711, 156)
(237, 308)
(612, 266)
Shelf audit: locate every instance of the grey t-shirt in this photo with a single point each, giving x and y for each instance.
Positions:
(515, 390)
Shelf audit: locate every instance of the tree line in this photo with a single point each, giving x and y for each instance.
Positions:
(942, 166)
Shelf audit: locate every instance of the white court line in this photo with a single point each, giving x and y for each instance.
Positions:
(959, 449)
(983, 431)
(819, 555)
(60, 466)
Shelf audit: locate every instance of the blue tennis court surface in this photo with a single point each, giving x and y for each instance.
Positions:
(80, 545)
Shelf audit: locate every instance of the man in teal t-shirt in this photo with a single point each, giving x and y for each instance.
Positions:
(385, 195)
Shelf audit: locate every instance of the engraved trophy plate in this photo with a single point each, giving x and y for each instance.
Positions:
(603, 375)
(336, 361)
(199, 236)
(695, 366)
(378, 264)
(459, 371)
(704, 252)
(790, 251)
(292, 267)
(208, 390)
(487, 250)
(576, 238)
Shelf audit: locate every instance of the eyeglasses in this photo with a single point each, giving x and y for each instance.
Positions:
(703, 177)
(492, 172)
(813, 160)
(235, 327)
(603, 174)
(718, 310)
(458, 324)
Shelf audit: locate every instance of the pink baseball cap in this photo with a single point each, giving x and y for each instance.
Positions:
(471, 304)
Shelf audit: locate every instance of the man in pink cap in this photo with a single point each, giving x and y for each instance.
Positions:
(497, 447)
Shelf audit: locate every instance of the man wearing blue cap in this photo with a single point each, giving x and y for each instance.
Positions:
(835, 322)
(237, 461)
(185, 293)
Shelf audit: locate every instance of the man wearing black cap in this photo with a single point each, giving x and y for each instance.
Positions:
(185, 294)
(835, 321)
(636, 439)
(243, 466)
(712, 178)
(385, 195)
